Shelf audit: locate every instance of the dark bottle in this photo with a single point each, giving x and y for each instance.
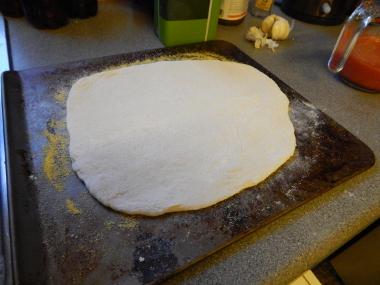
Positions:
(45, 14)
(11, 8)
(233, 12)
(82, 9)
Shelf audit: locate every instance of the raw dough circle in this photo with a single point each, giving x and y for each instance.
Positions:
(176, 135)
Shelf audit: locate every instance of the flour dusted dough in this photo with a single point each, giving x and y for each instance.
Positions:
(176, 135)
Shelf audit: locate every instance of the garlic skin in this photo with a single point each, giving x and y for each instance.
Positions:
(254, 34)
(260, 38)
(276, 27)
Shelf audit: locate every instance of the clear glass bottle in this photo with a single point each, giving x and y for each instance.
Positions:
(262, 8)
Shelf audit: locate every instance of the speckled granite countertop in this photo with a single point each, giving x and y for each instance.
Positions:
(285, 248)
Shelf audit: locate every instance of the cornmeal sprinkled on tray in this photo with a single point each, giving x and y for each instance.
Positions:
(56, 164)
(72, 208)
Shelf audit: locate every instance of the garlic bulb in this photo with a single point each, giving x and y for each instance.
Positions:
(276, 27)
(266, 25)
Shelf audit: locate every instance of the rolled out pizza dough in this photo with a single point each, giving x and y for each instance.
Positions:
(176, 135)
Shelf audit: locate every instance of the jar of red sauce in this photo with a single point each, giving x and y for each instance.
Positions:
(356, 56)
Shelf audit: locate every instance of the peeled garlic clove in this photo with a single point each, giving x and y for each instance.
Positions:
(280, 29)
(258, 44)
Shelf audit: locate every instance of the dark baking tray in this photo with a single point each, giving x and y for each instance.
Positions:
(53, 245)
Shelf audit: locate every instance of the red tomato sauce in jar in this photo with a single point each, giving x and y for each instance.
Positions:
(362, 67)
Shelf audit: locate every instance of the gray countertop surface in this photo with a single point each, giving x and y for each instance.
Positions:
(297, 241)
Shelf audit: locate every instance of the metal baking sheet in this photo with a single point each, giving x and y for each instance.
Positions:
(62, 235)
